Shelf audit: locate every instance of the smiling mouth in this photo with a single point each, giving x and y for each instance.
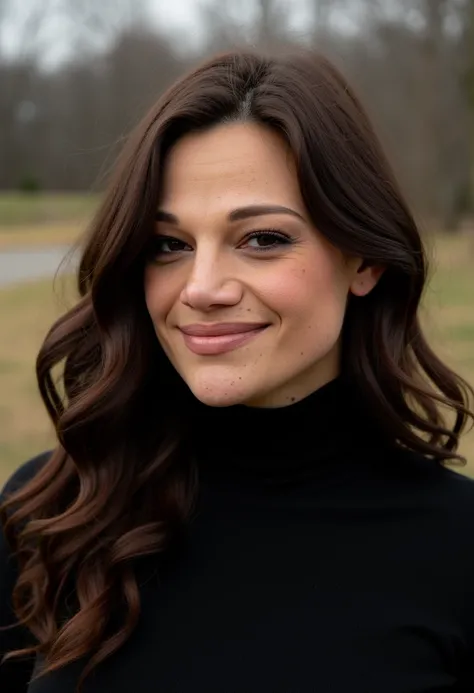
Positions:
(219, 344)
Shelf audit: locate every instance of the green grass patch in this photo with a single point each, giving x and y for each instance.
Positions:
(22, 209)
(449, 288)
(462, 333)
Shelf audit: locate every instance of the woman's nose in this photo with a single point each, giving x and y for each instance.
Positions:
(210, 285)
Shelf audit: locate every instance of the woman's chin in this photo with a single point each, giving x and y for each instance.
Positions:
(219, 392)
(217, 397)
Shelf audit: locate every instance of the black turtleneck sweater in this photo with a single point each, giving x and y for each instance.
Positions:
(320, 559)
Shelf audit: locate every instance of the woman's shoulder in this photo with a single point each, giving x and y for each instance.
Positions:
(24, 474)
(459, 487)
(448, 488)
(14, 675)
(19, 478)
(454, 477)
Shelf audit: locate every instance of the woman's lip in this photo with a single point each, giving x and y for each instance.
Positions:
(219, 344)
(222, 328)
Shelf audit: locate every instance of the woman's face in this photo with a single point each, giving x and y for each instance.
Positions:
(246, 297)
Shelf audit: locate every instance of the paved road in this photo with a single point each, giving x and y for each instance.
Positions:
(25, 264)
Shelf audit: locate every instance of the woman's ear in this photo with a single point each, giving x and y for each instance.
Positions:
(365, 278)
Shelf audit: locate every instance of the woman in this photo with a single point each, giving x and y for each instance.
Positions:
(249, 491)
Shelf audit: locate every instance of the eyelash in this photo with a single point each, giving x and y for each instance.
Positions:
(285, 239)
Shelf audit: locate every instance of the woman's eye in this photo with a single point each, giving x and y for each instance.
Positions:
(266, 240)
(167, 245)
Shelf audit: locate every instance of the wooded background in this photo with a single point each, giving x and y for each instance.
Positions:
(62, 120)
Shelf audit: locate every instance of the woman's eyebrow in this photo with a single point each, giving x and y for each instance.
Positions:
(237, 214)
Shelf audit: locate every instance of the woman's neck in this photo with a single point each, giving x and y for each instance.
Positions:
(280, 443)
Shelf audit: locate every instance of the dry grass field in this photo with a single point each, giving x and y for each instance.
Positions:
(27, 310)
(46, 219)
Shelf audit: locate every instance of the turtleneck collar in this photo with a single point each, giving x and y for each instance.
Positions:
(281, 444)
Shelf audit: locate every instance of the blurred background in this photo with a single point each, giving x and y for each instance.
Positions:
(76, 76)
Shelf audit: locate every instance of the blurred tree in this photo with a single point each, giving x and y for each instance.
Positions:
(93, 25)
(320, 23)
(272, 24)
(403, 61)
(19, 82)
(469, 44)
(137, 69)
(265, 25)
(63, 125)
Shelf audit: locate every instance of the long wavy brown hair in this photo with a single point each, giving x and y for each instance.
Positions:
(122, 482)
